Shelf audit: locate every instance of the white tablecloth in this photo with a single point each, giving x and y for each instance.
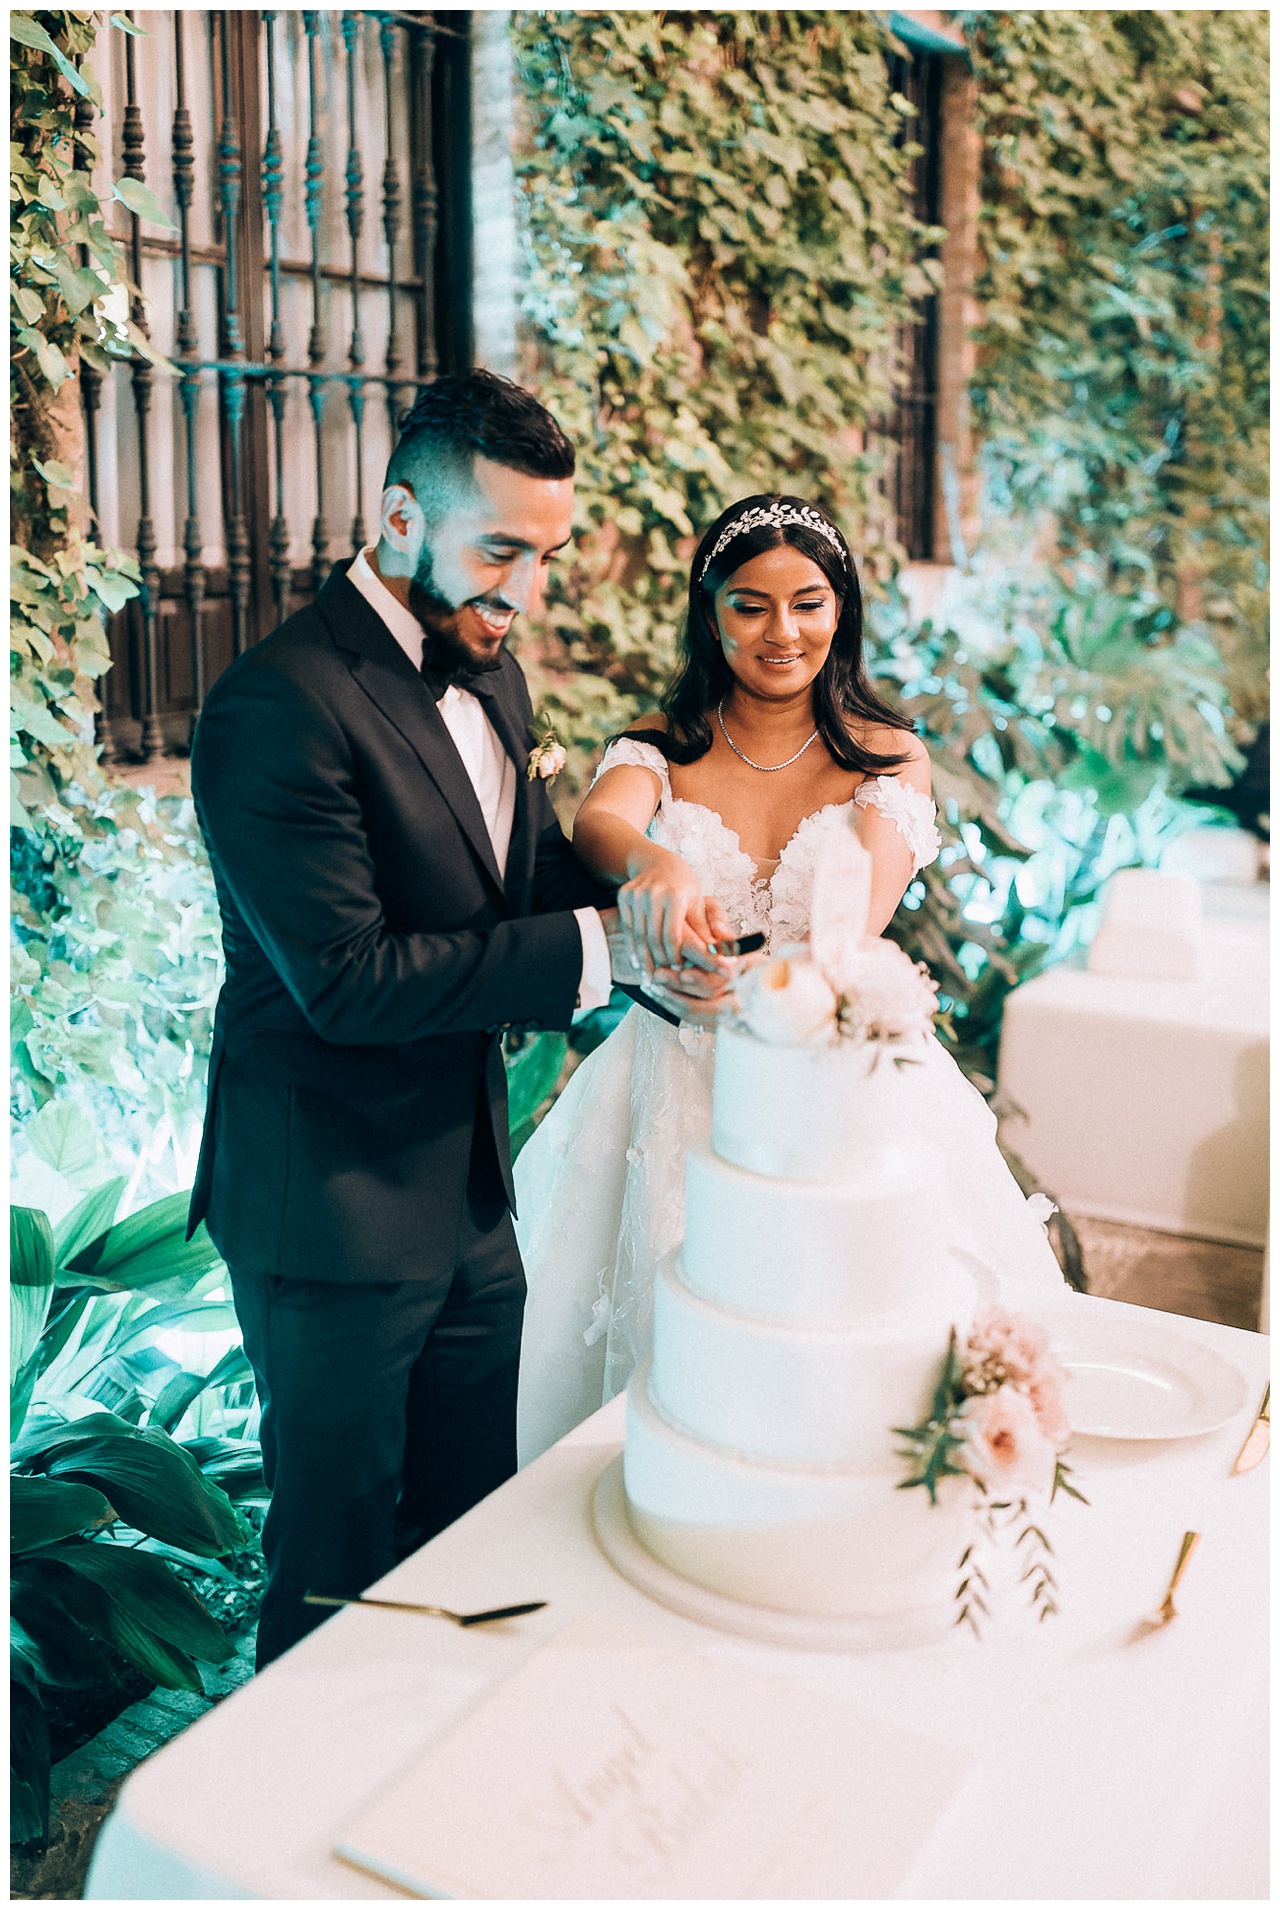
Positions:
(1146, 1102)
(1109, 1769)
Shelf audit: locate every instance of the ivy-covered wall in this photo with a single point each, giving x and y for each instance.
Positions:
(1123, 376)
(719, 249)
(115, 959)
(719, 252)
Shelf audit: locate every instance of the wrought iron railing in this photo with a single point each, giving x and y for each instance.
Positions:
(317, 273)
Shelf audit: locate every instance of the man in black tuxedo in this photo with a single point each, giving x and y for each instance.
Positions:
(395, 891)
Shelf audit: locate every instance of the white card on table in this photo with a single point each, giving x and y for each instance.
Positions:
(613, 1766)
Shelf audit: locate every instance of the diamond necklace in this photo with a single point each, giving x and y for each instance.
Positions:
(768, 768)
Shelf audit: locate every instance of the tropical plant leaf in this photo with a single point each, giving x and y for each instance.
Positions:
(62, 1135)
(42, 1510)
(28, 1756)
(146, 1248)
(61, 1653)
(147, 1590)
(84, 1602)
(87, 1222)
(173, 1402)
(30, 1290)
(150, 1481)
(236, 1464)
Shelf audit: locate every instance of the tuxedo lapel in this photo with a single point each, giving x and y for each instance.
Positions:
(385, 674)
(509, 731)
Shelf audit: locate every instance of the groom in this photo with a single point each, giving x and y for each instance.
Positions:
(395, 892)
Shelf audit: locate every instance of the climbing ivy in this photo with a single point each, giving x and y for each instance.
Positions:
(116, 955)
(720, 252)
(1122, 386)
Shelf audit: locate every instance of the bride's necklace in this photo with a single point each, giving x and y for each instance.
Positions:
(768, 768)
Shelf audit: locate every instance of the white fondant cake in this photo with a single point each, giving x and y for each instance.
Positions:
(805, 1317)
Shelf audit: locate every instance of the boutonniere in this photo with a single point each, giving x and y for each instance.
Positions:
(547, 757)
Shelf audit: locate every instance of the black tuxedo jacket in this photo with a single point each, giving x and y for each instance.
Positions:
(374, 953)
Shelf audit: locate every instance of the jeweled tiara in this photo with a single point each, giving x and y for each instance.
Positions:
(778, 514)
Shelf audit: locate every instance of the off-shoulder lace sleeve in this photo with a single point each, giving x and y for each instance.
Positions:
(912, 813)
(640, 756)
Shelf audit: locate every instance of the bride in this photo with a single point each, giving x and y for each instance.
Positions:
(710, 816)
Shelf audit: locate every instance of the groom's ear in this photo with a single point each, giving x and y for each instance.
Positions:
(402, 526)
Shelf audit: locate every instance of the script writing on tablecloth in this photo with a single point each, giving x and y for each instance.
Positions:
(611, 1766)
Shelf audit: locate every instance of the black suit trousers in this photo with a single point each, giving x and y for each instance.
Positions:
(388, 1410)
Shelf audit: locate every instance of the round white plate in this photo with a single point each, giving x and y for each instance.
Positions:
(1138, 1380)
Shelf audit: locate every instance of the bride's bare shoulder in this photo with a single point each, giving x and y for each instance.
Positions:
(654, 720)
(882, 739)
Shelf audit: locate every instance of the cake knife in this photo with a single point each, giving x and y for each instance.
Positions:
(1255, 1446)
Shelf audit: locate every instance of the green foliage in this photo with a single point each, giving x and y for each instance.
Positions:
(116, 962)
(1122, 385)
(721, 251)
(67, 308)
(533, 1075)
(99, 1503)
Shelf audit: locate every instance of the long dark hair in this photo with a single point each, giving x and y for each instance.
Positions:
(841, 688)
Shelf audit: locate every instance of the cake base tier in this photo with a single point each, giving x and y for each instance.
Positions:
(838, 1542)
(804, 1631)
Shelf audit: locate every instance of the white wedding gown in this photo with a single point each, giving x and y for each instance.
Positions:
(600, 1184)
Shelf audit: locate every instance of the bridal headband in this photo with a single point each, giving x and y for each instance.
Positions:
(775, 514)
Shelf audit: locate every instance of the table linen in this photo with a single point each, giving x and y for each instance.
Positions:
(1109, 1769)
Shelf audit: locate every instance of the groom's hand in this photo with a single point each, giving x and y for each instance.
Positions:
(699, 990)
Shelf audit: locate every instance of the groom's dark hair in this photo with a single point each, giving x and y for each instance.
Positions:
(477, 414)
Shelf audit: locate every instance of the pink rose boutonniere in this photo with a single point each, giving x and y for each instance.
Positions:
(997, 1418)
(547, 757)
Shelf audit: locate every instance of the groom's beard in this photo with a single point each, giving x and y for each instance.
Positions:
(444, 652)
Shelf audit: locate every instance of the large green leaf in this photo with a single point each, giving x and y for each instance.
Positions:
(30, 1290)
(236, 1464)
(151, 1482)
(173, 1402)
(147, 1590)
(532, 1073)
(61, 1134)
(28, 1756)
(84, 1602)
(146, 1248)
(61, 1653)
(90, 1220)
(42, 1510)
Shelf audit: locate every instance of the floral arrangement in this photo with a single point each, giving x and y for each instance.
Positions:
(847, 985)
(547, 757)
(997, 1419)
(880, 994)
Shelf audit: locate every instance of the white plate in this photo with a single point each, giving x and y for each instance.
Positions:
(1140, 1381)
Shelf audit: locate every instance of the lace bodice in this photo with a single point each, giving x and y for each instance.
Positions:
(775, 902)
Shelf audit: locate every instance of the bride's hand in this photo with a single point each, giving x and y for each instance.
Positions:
(663, 910)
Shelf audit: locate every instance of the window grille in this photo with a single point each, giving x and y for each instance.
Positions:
(316, 169)
(913, 433)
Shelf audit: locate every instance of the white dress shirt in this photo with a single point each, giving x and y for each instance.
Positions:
(491, 771)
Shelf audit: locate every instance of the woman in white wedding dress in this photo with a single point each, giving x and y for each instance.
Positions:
(770, 736)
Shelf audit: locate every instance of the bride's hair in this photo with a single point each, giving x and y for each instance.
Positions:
(841, 688)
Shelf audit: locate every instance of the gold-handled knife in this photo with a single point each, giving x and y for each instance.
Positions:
(1255, 1446)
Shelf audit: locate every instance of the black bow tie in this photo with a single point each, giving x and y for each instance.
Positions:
(439, 679)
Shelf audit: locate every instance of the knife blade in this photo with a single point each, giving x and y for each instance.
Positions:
(1259, 1439)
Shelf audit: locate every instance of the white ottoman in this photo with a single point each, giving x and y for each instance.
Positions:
(1146, 1101)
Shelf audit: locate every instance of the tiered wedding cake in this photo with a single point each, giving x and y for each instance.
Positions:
(809, 1310)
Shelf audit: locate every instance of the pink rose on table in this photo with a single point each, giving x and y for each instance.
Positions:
(1004, 1349)
(1005, 1448)
(1045, 1394)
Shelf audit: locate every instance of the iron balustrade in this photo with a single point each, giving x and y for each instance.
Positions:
(315, 168)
